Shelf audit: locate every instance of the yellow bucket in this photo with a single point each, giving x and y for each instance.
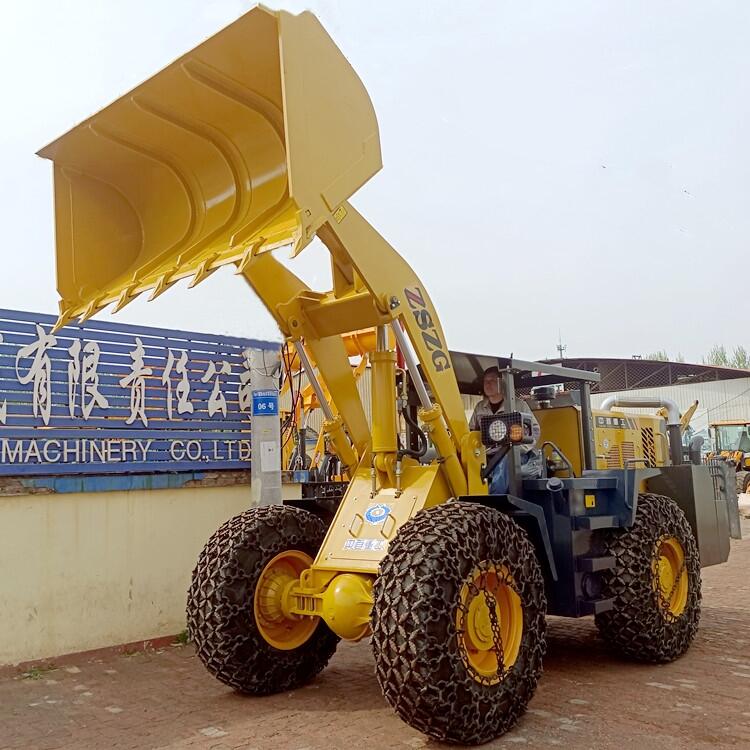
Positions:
(246, 143)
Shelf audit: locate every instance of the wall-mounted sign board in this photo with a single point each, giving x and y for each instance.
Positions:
(106, 397)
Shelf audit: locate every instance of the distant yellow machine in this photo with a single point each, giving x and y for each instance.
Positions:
(254, 140)
(732, 445)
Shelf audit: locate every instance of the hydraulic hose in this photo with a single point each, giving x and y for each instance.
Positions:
(420, 436)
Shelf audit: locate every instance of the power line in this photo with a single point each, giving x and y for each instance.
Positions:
(723, 403)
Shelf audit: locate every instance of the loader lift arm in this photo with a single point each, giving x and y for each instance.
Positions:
(383, 290)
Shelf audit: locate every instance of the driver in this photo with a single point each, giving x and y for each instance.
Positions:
(492, 403)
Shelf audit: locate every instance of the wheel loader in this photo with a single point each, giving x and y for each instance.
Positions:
(732, 446)
(256, 140)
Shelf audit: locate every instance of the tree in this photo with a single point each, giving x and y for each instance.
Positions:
(663, 356)
(717, 356)
(739, 358)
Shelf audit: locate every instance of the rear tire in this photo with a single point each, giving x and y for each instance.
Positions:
(420, 616)
(743, 482)
(652, 621)
(220, 608)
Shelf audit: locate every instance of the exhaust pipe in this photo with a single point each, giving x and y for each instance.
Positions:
(673, 418)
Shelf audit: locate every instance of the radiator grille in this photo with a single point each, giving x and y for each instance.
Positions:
(628, 453)
(649, 445)
(619, 455)
(614, 460)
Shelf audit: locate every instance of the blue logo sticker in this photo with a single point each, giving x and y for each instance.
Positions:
(376, 514)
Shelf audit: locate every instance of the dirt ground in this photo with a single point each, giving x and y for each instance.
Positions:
(586, 699)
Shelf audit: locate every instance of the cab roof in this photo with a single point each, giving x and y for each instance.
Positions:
(469, 369)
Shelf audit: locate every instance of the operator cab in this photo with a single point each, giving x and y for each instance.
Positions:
(559, 398)
(732, 436)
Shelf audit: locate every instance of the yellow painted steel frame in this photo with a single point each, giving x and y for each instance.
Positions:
(320, 447)
(619, 446)
(619, 443)
(358, 343)
(626, 447)
(562, 426)
(251, 141)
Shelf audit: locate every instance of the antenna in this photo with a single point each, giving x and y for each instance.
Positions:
(560, 346)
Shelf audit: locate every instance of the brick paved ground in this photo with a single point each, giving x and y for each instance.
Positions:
(587, 698)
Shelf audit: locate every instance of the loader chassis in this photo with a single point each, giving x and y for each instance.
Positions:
(566, 518)
(239, 148)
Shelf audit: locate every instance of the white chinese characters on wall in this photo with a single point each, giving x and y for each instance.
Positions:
(38, 370)
(90, 395)
(33, 366)
(216, 401)
(74, 375)
(84, 371)
(183, 387)
(136, 381)
(245, 395)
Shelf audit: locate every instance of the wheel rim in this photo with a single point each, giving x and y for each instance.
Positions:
(278, 627)
(489, 623)
(670, 576)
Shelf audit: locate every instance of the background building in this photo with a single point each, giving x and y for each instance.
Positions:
(723, 393)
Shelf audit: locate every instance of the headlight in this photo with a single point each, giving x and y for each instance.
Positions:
(514, 428)
(497, 431)
(516, 433)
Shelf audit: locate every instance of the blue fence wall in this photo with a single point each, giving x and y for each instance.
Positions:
(106, 397)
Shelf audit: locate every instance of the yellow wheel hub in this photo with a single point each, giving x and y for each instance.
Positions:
(670, 576)
(489, 623)
(279, 627)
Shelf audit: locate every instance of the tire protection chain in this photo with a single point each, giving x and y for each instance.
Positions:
(637, 626)
(422, 674)
(220, 602)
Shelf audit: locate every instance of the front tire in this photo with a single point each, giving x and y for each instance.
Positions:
(743, 482)
(230, 611)
(656, 584)
(458, 623)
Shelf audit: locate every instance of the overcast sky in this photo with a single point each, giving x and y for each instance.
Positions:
(551, 166)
